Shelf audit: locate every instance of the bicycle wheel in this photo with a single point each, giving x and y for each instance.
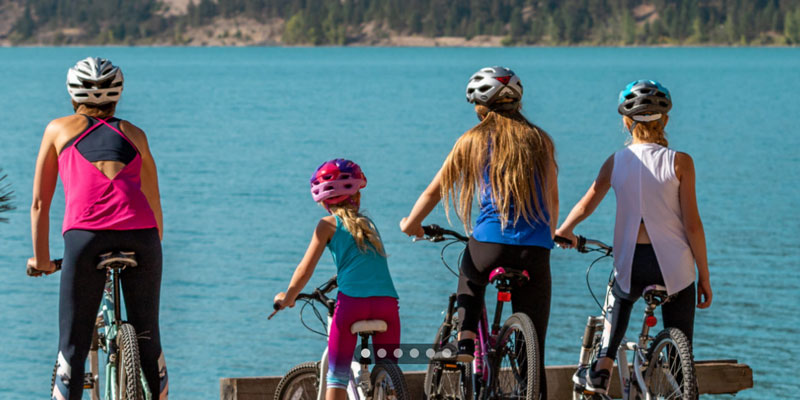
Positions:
(670, 373)
(444, 382)
(516, 360)
(300, 383)
(388, 382)
(129, 368)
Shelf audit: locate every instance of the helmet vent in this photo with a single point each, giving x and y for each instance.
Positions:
(484, 88)
(348, 186)
(345, 176)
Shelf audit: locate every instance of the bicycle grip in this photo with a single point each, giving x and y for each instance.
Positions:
(561, 240)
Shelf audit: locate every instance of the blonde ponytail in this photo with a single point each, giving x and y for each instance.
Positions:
(362, 229)
(649, 131)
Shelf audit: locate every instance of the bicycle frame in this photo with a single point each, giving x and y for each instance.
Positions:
(632, 384)
(111, 314)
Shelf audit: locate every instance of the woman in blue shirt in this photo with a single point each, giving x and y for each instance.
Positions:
(509, 163)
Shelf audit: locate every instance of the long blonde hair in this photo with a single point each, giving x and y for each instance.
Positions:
(648, 131)
(362, 229)
(517, 154)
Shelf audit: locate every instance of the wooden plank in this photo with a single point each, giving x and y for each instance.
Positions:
(714, 377)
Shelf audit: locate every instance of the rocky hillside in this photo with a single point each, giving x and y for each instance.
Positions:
(400, 22)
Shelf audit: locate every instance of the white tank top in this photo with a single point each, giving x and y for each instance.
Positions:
(646, 187)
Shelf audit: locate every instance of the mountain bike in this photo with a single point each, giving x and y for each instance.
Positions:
(506, 363)
(662, 366)
(306, 381)
(124, 379)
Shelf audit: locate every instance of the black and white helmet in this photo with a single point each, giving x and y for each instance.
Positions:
(94, 80)
(492, 84)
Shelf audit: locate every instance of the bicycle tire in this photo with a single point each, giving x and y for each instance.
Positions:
(300, 383)
(129, 366)
(388, 382)
(672, 351)
(451, 385)
(519, 332)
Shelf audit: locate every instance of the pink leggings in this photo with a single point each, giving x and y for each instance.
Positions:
(342, 343)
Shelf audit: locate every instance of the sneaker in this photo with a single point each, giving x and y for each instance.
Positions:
(462, 352)
(591, 380)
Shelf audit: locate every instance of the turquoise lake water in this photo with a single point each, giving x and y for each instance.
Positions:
(236, 132)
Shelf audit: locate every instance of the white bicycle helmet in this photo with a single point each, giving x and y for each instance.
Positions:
(490, 85)
(94, 80)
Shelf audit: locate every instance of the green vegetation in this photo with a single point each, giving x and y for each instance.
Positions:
(323, 22)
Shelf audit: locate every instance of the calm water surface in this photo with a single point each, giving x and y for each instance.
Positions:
(237, 132)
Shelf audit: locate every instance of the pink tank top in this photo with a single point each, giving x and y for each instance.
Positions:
(97, 202)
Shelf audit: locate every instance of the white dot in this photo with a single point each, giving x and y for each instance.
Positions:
(381, 353)
(429, 353)
(365, 353)
(398, 353)
(414, 353)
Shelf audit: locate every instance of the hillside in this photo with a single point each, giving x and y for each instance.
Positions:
(400, 22)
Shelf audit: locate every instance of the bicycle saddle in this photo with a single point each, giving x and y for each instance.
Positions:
(655, 294)
(368, 327)
(117, 259)
(511, 276)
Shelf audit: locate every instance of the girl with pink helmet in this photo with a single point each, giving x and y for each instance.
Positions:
(366, 290)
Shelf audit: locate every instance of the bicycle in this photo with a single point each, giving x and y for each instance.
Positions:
(124, 379)
(506, 363)
(662, 366)
(306, 381)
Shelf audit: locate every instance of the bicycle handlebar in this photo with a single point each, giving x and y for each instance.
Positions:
(36, 272)
(318, 294)
(584, 244)
(436, 233)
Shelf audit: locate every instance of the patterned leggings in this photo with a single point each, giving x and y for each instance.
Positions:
(342, 343)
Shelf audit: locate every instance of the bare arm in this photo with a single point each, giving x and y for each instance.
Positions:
(590, 200)
(684, 169)
(552, 191)
(412, 224)
(149, 173)
(44, 185)
(322, 235)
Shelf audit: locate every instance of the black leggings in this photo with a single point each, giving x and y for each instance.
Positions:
(532, 298)
(82, 290)
(676, 313)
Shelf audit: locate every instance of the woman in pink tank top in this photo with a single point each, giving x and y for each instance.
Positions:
(112, 203)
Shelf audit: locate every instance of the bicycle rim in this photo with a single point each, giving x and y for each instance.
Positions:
(516, 375)
(670, 372)
(388, 382)
(300, 383)
(442, 381)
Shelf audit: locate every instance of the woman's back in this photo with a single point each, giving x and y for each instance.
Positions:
(647, 192)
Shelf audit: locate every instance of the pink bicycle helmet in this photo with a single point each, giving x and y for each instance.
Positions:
(336, 180)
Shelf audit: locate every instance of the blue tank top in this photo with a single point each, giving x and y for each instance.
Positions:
(359, 274)
(523, 233)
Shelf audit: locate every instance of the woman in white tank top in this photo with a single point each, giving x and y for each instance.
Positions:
(658, 236)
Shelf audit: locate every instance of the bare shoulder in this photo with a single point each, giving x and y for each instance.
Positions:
(68, 124)
(326, 228)
(61, 130)
(683, 164)
(134, 133)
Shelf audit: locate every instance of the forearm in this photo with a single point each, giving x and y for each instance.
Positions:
(424, 205)
(299, 280)
(40, 232)
(697, 242)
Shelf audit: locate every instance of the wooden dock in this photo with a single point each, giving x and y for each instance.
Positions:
(713, 377)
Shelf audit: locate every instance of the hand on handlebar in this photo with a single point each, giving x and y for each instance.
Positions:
(34, 268)
(279, 303)
(411, 229)
(565, 234)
